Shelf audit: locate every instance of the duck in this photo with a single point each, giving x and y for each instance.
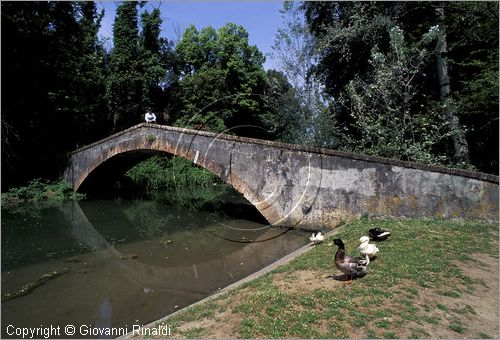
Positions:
(317, 238)
(350, 265)
(367, 249)
(377, 234)
(150, 117)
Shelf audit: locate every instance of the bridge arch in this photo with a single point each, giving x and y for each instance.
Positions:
(108, 170)
(293, 185)
(129, 147)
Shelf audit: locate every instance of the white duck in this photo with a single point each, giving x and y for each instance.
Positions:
(367, 249)
(317, 238)
(150, 117)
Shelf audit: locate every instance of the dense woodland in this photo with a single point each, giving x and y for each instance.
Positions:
(416, 81)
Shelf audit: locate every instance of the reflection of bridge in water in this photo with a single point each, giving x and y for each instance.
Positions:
(198, 279)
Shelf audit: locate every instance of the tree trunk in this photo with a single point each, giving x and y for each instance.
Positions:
(460, 146)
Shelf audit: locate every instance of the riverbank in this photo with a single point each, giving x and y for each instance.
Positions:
(432, 279)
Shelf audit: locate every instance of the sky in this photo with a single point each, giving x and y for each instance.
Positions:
(261, 19)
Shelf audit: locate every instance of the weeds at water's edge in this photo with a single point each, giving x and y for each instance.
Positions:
(409, 290)
(39, 191)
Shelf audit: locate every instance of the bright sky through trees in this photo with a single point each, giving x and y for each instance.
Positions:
(260, 19)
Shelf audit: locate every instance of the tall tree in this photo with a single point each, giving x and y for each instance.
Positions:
(152, 69)
(473, 54)
(52, 62)
(25, 35)
(221, 79)
(92, 77)
(283, 117)
(294, 49)
(78, 83)
(345, 32)
(460, 145)
(391, 121)
(124, 83)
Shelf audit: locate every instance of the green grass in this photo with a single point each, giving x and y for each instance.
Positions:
(433, 320)
(483, 335)
(457, 327)
(390, 335)
(418, 332)
(370, 334)
(383, 324)
(449, 293)
(467, 309)
(206, 310)
(246, 328)
(442, 307)
(383, 304)
(193, 333)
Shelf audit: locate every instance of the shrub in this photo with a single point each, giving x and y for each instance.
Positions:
(162, 172)
(39, 190)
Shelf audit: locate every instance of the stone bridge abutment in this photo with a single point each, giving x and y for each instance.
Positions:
(300, 186)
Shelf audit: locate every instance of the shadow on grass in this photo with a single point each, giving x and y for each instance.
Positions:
(343, 277)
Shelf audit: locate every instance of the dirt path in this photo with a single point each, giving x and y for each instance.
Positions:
(484, 301)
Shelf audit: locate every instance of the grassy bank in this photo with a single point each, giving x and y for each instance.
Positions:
(40, 192)
(432, 278)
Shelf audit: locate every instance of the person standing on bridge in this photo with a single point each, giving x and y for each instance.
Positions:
(150, 117)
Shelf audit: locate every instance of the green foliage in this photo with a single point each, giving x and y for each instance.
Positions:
(152, 69)
(294, 49)
(384, 104)
(472, 29)
(55, 46)
(160, 172)
(124, 82)
(345, 34)
(39, 190)
(136, 67)
(284, 118)
(220, 79)
(213, 79)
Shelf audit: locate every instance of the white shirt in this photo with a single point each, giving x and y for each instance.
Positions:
(150, 117)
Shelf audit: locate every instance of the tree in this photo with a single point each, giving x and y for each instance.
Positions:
(76, 86)
(283, 118)
(221, 80)
(392, 123)
(345, 33)
(86, 71)
(472, 39)
(124, 84)
(53, 76)
(294, 48)
(153, 70)
(460, 145)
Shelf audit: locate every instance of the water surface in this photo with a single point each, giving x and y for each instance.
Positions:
(124, 262)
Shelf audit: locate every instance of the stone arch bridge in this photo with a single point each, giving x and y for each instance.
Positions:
(293, 185)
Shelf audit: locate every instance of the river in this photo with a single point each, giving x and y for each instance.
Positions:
(120, 262)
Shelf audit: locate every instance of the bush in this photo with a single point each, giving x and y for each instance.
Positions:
(39, 190)
(160, 172)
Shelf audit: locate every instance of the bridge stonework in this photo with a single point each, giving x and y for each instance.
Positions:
(306, 187)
